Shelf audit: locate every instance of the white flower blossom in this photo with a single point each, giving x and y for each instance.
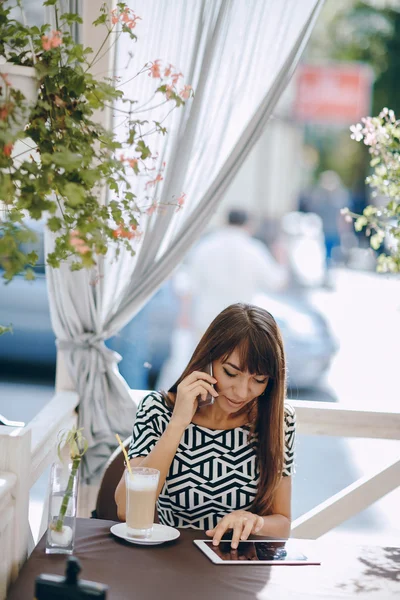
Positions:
(356, 132)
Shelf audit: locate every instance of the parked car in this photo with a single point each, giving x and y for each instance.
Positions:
(308, 341)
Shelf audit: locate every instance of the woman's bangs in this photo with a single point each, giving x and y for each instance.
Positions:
(256, 356)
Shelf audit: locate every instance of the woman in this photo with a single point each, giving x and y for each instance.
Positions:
(228, 465)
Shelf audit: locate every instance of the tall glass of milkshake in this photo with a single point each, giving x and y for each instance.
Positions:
(141, 492)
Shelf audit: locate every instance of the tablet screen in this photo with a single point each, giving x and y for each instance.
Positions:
(276, 551)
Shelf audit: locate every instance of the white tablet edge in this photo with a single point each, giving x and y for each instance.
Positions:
(204, 546)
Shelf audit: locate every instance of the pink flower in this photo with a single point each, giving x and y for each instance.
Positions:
(175, 78)
(4, 111)
(153, 182)
(54, 41)
(168, 71)
(168, 91)
(132, 23)
(370, 139)
(132, 162)
(155, 69)
(123, 232)
(181, 201)
(77, 242)
(46, 45)
(185, 93)
(151, 209)
(122, 157)
(8, 148)
(4, 77)
(125, 15)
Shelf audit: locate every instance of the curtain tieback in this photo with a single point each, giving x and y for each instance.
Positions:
(87, 341)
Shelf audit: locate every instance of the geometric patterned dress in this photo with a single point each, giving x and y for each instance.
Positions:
(214, 471)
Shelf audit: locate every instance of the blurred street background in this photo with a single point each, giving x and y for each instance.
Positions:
(340, 319)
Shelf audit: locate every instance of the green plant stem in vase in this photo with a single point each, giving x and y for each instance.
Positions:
(61, 534)
(68, 494)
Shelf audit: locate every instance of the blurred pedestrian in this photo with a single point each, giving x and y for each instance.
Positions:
(229, 266)
(326, 200)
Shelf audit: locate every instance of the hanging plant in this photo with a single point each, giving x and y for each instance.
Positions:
(67, 157)
(381, 222)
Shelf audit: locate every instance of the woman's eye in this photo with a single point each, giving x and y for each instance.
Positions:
(229, 374)
(261, 382)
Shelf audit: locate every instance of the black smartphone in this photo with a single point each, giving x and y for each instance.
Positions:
(209, 399)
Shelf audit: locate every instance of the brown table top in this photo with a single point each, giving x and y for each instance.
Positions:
(180, 571)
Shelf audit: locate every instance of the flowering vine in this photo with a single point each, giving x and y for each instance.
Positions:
(382, 136)
(70, 157)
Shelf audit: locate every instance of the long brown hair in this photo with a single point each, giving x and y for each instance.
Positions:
(254, 332)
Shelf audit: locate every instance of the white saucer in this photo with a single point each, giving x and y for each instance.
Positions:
(160, 534)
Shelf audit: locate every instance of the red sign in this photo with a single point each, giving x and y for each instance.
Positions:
(338, 94)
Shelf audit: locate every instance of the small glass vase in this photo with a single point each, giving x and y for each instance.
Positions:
(63, 496)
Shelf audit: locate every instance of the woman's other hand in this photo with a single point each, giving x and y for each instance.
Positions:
(195, 384)
(242, 522)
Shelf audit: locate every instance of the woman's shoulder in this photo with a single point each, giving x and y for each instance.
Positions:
(154, 402)
(289, 415)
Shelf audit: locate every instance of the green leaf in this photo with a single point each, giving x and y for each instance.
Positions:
(75, 194)
(50, 3)
(100, 20)
(53, 260)
(32, 258)
(70, 18)
(67, 160)
(76, 266)
(29, 275)
(54, 224)
(4, 329)
(143, 149)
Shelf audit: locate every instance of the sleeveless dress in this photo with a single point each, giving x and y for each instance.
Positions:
(214, 471)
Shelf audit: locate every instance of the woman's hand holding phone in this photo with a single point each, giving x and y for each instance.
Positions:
(196, 384)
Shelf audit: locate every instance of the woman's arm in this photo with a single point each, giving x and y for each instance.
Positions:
(278, 524)
(244, 523)
(159, 458)
(162, 455)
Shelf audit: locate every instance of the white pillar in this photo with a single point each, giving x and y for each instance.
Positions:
(15, 457)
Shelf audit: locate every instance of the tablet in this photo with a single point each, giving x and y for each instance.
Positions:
(259, 552)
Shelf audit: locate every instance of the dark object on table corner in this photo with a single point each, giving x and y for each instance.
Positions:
(57, 587)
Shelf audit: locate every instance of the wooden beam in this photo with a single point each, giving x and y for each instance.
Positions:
(326, 418)
(347, 503)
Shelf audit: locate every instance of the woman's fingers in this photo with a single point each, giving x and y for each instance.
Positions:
(258, 525)
(207, 387)
(237, 532)
(219, 531)
(199, 375)
(247, 529)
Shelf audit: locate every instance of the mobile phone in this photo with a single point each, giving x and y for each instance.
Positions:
(209, 399)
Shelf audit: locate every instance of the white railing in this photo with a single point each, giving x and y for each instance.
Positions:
(8, 482)
(25, 453)
(321, 418)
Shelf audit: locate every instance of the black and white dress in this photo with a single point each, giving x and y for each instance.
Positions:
(214, 471)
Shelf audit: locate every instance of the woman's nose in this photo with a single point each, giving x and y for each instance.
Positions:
(241, 389)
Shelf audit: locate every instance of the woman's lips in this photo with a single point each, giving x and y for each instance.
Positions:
(234, 404)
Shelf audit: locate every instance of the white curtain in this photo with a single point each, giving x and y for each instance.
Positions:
(238, 55)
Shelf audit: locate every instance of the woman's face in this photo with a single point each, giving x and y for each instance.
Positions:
(236, 388)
